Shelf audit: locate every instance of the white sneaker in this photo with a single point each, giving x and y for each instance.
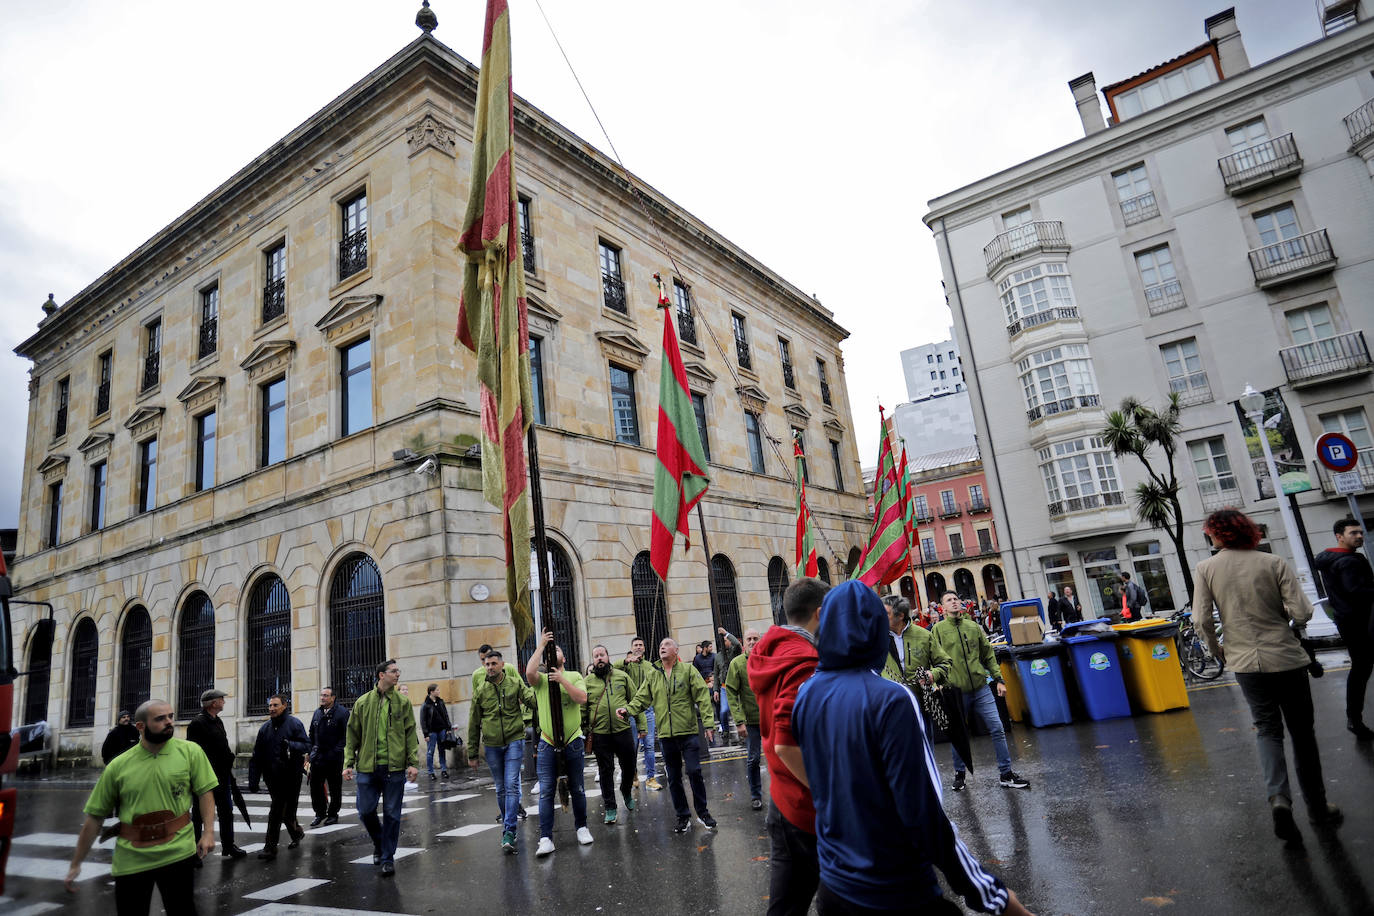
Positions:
(546, 845)
(584, 836)
(534, 789)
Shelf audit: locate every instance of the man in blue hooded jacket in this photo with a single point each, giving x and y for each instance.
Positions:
(880, 827)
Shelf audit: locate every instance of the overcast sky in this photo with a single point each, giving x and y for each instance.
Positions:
(810, 133)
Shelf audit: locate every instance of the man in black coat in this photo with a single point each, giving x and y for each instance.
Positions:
(1055, 611)
(207, 730)
(1350, 586)
(279, 755)
(435, 725)
(328, 734)
(122, 737)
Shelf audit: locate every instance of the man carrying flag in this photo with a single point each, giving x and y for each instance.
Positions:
(806, 562)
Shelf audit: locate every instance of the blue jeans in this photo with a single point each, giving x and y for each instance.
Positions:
(433, 750)
(574, 762)
(984, 704)
(389, 786)
(647, 741)
(755, 742)
(504, 763)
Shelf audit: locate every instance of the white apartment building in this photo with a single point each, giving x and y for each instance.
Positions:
(932, 369)
(938, 417)
(1216, 230)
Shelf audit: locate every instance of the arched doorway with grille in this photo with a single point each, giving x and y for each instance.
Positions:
(357, 627)
(994, 584)
(39, 674)
(269, 643)
(727, 595)
(823, 570)
(907, 588)
(559, 613)
(651, 610)
(85, 658)
(965, 584)
(935, 586)
(855, 557)
(195, 653)
(135, 659)
(777, 585)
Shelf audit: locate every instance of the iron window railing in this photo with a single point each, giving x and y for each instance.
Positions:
(195, 654)
(1043, 235)
(650, 608)
(951, 511)
(269, 635)
(1066, 405)
(152, 364)
(85, 657)
(1293, 256)
(1219, 494)
(102, 399)
(686, 327)
(727, 596)
(273, 299)
(353, 253)
(742, 353)
(1359, 124)
(613, 288)
(1059, 313)
(60, 426)
(789, 377)
(1138, 209)
(825, 393)
(1062, 507)
(1365, 469)
(1164, 297)
(136, 660)
(39, 677)
(1260, 162)
(977, 506)
(1329, 356)
(527, 251)
(357, 627)
(777, 585)
(1193, 388)
(209, 336)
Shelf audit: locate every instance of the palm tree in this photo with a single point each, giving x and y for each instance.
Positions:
(1134, 429)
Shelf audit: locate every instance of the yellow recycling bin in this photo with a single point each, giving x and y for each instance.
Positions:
(1150, 665)
(1016, 696)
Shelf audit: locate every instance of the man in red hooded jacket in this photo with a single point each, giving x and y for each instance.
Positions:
(782, 661)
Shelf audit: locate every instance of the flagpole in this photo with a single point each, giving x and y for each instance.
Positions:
(711, 579)
(910, 568)
(541, 560)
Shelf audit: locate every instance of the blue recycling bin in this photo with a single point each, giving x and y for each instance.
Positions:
(1097, 669)
(1041, 669)
(1021, 608)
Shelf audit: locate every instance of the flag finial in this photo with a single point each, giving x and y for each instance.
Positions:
(426, 19)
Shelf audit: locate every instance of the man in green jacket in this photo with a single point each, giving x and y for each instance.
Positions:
(570, 755)
(497, 720)
(677, 693)
(745, 708)
(911, 647)
(635, 664)
(974, 667)
(382, 748)
(608, 689)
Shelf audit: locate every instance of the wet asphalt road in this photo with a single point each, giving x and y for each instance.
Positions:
(1155, 813)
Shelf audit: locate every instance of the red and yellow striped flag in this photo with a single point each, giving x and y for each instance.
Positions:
(885, 557)
(806, 561)
(491, 316)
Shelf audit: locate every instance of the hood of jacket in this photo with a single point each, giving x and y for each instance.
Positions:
(1327, 559)
(854, 628)
(780, 649)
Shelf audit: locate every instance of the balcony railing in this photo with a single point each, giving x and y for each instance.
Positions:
(102, 399)
(353, 253)
(924, 518)
(1032, 238)
(1365, 469)
(1164, 297)
(273, 300)
(977, 506)
(951, 511)
(742, 354)
(1139, 209)
(1292, 258)
(1219, 494)
(1359, 124)
(209, 336)
(1062, 313)
(1050, 408)
(686, 327)
(931, 556)
(1074, 504)
(1191, 389)
(527, 250)
(613, 288)
(60, 428)
(151, 364)
(1330, 357)
(825, 393)
(1260, 163)
(789, 377)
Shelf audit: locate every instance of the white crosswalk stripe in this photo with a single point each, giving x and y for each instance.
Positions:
(455, 798)
(33, 909)
(65, 840)
(294, 909)
(470, 829)
(52, 869)
(286, 889)
(401, 853)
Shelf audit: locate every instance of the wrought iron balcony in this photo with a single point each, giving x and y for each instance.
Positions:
(527, 251)
(1164, 297)
(1260, 164)
(951, 511)
(687, 327)
(1326, 359)
(1359, 124)
(60, 427)
(742, 353)
(1032, 238)
(151, 365)
(924, 518)
(1063, 507)
(613, 289)
(353, 253)
(273, 300)
(931, 556)
(209, 336)
(1191, 389)
(1292, 259)
(1219, 494)
(1065, 405)
(825, 393)
(789, 378)
(1139, 209)
(1062, 313)
(977, 507)
(102, 399)
(1365, 469)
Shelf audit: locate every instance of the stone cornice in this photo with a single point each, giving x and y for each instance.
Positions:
(204, 389)
(697, 372)
(833, 425)
(144, 420)
(622, 347)
(797, 414)
(349, 314)
(752, 396)
(53, 467)
(96, 445)
(268, 357)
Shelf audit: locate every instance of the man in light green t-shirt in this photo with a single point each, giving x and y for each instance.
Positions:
(570, 757)
(151, 787)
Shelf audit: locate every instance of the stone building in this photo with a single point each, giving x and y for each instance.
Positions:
(1213, 232)
(249, 459)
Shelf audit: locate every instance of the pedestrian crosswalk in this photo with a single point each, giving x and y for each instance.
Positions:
(286, 889)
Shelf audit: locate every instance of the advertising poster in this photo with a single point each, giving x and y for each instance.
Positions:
(1294, 474)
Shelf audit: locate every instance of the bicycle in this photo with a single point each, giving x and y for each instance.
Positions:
(1193, 656)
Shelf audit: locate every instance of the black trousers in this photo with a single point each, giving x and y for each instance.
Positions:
(285, 789)
(1279, 698)
(326, 773)
(608, 749)
(134, 893)
(828, 903)
(1360, 645)
(677, 751)
(793, 870)
(224, 811)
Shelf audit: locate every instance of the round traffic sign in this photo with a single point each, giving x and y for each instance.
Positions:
(1337, 452)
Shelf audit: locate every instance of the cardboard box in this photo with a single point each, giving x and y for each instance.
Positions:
(1027, 631)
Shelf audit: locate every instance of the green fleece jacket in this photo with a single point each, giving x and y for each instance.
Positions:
(676, 700)
(604, 697)
(744, 706)
(497, 714)
(922, 651)
(972, 661)
(392, 711)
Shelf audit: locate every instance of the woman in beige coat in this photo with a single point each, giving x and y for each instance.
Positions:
(1257, 596)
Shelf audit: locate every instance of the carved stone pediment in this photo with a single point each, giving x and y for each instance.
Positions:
(833, 425)
(797, 415)
(622, 347)
(96, 445)
(268, 357)
(431, 133)
(146, 419)
(542, 316)
(699, 374)
(53, 466)
(203, 390)
(349, 314)
(752, 396)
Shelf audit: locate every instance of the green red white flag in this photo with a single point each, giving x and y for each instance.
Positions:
(680, 480)
(806, 562)
(492, 320)
(886, 555)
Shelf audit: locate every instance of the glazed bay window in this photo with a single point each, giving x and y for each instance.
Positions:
(612, 281)
(1216, 483)
(64, 392)
(353, 242)
(1079, 475)
(355, 378)
(754, 438)
(274, 283)
(272, 420)
(537, 377)
(623, 411)
(152, 354)
(104, 369)
(686, 321)
(1183, 366)
(147, 475)
(1037, 295)
(741, 331)
(99, 484)
(1162, 290)
(1058, 380)
(205, 451)
(1134, 194)
(699, 411)
(209, 321)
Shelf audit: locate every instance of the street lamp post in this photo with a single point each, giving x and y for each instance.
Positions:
(1252, 403)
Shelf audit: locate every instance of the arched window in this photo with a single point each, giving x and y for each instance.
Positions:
(195, 653)
(269, 643)
(994, 584)
(964, 584)
(777, 584)
(935, 586)
(727, 596)
(357, 627)
(85, 654)
(136, 660)
(40, 675)
(855, 556)
(651, 611)
(908, 591)
(559, 613)
(823, 570)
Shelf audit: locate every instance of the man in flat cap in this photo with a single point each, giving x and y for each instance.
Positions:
(207, 730)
